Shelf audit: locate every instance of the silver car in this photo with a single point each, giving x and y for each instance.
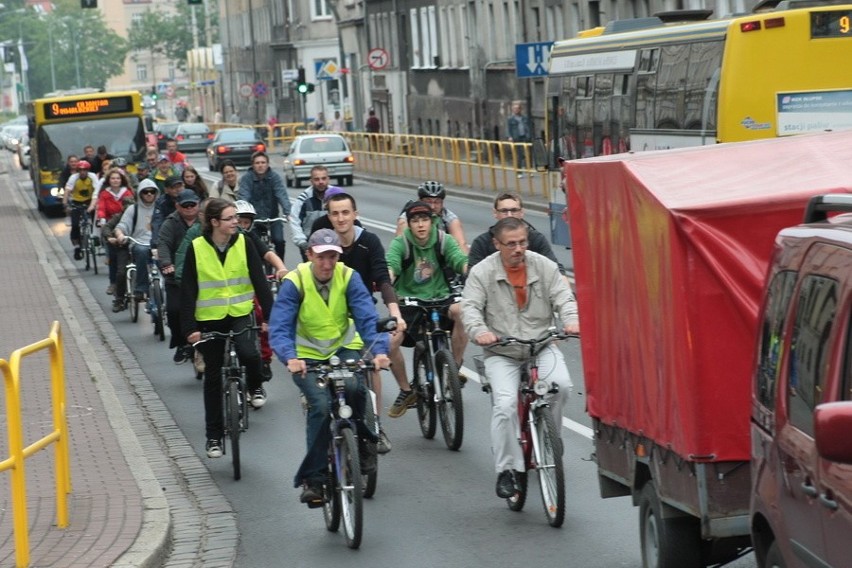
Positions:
(193, 136)
(309, 150)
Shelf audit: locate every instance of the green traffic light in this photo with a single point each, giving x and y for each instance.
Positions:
(302, 88)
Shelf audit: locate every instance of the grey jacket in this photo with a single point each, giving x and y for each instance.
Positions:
(488, 302)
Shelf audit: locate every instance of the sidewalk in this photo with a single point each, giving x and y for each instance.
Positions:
(140, 495)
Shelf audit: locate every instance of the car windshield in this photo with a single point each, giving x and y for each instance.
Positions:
(123, 137)
(193, 128)
(317, 145)
(237, 136)
(167, 128)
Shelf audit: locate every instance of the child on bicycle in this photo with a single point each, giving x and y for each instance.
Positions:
(515, 293)
(323, 309)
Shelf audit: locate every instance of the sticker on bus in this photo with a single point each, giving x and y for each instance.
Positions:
(813, 111)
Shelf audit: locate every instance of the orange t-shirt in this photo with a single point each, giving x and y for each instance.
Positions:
(518, 279)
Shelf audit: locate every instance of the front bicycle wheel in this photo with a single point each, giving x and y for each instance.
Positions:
(551, 473)
(331, 499)
(233, 412)
(426, 416)
(157, 311)
(371, 479)
(350, 489)
(450, 408)
(133, 304)
(85, 244)
(93, 252)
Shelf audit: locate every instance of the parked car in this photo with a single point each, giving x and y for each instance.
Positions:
(12, 134)
(24, 152)
(309, 150)
(193, 136)
(165, 130)
(236, 144)
(801, 419)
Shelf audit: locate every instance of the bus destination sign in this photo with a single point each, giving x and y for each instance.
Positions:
(88, 107)
(833, 23)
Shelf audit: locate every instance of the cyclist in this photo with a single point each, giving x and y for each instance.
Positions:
(222, 272)
(136, 222)
(515, 293)
(246, 215)
(111, 201)
(79, 190)
(177, 158)
(118, 255)
(433, 193)
(420, 262)
(323, 309)
(226, 188)
(193, 180)
(172, 232)
(307, 208)
(363, 252)
(265, 189)
(510, 205)
(166, 205)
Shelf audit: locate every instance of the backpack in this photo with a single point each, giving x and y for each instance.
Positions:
(438, 247)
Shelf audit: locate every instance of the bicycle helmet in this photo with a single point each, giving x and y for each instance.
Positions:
(431, 189)
(119, 163)
(245, 208)
(84, 165)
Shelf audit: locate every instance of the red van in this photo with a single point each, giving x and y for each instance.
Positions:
(801, 419)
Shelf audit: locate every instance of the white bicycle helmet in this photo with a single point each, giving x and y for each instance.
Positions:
(431, 189)
(245, 208)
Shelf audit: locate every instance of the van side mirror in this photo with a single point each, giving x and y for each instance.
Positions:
(832, 427)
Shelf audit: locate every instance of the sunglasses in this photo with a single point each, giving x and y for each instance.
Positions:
(147, 192)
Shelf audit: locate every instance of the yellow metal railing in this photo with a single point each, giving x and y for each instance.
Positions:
(18, 453)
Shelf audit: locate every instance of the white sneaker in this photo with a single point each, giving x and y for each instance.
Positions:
(258, 397)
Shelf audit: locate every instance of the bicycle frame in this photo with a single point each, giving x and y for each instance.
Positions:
(436, 337)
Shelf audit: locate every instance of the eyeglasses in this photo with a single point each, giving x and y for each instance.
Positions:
(509, 210)
(227, 219)
(147, 192)
(515, 244)
(189, 205)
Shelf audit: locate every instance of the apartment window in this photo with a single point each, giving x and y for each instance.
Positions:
(462, 36)
(416, 48)
(141, 72)
(320, 10)
(136, 19)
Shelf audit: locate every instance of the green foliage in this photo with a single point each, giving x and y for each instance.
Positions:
(80, 39)
(170, 35)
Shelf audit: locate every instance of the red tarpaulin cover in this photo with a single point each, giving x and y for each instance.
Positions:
(670, 253)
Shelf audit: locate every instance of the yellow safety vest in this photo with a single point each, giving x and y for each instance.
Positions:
(322, 329)
(83, 190)
(223, 289)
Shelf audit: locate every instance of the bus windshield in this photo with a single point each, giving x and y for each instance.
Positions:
(123, 137)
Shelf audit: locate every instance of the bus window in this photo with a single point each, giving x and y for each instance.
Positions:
(621, 113)
(586, 115)
(568, 119)
(671, 84)
(646, 88)
(603, 114)
(701, 89)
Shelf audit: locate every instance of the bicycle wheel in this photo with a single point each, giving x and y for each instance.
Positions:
(450, 408)
(233, 411)
(85, 244)
(93, 252)
(331, 498)
(132, 303)
(370, 480)
(425, 400)
(517, 501)
(157, 311)
(350, 490)
(551, 473)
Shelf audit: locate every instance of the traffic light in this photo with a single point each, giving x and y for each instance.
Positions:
(88, 3)
(301, 83)
(311, 87)
(154, 94)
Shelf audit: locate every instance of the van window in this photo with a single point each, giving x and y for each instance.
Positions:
(778, 298)
(815, 313)
(846, 382)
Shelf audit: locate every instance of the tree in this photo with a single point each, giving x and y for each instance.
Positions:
(170, 35)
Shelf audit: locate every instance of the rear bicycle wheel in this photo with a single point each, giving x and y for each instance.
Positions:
(551, 472)
(157, 311)
(350, 490)
(233, 412)
(371, 479)
(133, 304)
(450, 408)
(85, 244)
(426, 415)
(93, 252)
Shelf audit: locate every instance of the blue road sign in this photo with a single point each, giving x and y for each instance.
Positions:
(532, 59)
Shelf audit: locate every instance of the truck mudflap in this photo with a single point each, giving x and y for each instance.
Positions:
(714, 493)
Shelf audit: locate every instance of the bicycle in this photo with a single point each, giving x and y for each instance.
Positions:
(88, 240)
(234, 399)
(436, 374)
(538, 437)
(346, 482)
(130, 278)
(157, 300)
(268, 269)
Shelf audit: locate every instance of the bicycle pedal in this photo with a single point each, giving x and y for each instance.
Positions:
(315, 504)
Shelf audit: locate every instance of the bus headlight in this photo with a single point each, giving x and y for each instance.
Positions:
(57, 191)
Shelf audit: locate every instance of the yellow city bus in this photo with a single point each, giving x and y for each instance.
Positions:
(63, 124)
(645, 84)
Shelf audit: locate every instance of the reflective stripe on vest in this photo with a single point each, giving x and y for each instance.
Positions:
(223, 289)
(322, 329)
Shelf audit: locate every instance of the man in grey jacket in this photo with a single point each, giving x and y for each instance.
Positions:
(514, 292)
(265, 189)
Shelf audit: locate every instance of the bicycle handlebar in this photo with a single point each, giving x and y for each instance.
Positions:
(208, 335)
(444, 302)
(552, 336)
(140, 243)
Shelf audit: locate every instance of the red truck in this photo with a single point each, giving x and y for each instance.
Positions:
(671, 251)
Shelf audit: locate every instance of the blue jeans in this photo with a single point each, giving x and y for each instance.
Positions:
(315, 464)
(141, 257)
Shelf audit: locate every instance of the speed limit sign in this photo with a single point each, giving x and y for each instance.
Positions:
(246, 90)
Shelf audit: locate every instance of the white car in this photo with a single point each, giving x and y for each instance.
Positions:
(309, 150)
(12, 134)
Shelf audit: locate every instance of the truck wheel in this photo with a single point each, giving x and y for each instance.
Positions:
(666, 543)
(773, 557)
